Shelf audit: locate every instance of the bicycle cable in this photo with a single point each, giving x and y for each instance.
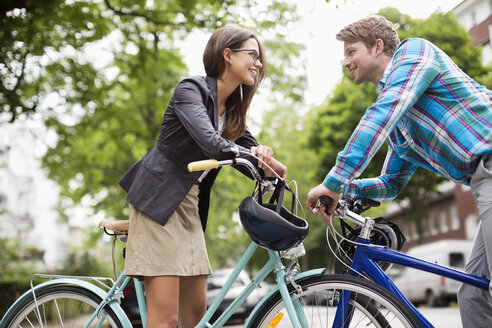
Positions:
(114, 257)
(331, 228)
(262, 161)
(298, 201)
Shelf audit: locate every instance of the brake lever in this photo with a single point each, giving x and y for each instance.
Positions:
(362, 205)
(325, 201)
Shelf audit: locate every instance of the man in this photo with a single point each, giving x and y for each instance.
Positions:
(432, 115)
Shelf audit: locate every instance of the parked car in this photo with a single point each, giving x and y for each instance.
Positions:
(427, 288)
(218, 279)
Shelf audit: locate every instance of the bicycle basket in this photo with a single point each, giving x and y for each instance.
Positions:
(384, 233)
(272, 225)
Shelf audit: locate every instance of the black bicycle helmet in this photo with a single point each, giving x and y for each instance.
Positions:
(271, 225)
(384, 233)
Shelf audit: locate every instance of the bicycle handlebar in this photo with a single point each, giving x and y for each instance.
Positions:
(206, 164)
(344, 211)
(213, 164)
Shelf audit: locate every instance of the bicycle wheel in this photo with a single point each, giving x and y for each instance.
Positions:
(373, 306)
(61, 306)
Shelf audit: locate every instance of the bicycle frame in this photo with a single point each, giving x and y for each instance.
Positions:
(111, 295)
(364, 262)
(274, 264)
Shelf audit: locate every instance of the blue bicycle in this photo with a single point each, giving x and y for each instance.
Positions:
(367, 250)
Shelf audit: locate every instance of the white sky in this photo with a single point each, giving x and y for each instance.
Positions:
(320, 23)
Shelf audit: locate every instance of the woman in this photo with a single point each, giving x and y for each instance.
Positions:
(205, 118)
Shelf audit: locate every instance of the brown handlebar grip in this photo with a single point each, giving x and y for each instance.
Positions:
(203, 165)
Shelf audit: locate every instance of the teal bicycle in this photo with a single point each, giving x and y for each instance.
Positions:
(299, 299)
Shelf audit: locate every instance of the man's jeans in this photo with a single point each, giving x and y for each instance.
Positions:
(476, 304)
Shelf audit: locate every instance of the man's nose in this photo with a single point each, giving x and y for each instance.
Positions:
(345, 63)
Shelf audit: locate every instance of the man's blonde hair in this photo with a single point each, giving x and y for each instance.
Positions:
(368, 30)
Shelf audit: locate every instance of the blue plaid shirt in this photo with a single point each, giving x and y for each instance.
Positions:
(430, 113)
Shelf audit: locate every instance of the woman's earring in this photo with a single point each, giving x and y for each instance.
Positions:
(241, 91)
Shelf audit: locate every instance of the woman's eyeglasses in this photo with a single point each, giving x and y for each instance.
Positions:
(252, 52)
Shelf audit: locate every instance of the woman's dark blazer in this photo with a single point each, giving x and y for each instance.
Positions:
(158, 182)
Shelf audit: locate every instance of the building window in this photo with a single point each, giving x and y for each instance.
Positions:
(457, 260)
(455, 220)
(433, 224)
(414, 233)
(443, 221)
(407, 231)
(4, 152)
(426, 227)
(474, 19)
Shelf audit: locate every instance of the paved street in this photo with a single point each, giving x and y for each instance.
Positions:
(443, 317)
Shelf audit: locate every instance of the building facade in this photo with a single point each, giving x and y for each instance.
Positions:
(476, 17)
(451, 214)
(28, 199)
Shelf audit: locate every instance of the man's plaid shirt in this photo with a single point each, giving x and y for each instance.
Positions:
(430, 113)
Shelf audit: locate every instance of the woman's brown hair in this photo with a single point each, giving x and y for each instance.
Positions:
(237, 104)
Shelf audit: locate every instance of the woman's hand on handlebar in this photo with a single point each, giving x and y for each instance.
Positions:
(313, 197)
(265, 154)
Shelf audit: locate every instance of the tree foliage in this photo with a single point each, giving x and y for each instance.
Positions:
(443, 30)
(100, 75)
(33, 34)
(106, 118)
(283, 128)
(14, 262)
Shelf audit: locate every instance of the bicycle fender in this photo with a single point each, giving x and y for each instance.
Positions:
(72, 282)
(297, 277)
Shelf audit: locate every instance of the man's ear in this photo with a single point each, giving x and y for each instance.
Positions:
(227, 55)
(379, 47)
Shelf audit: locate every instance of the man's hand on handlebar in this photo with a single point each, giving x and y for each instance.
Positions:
(313, 197)
(265, 154)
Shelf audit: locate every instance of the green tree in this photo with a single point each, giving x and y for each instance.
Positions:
(443, 30)
(33, 35)
(333, 122)
(282, 129)
(14, 260)
(106, 117)
(486, 79)
(82, 262)
(107, 124)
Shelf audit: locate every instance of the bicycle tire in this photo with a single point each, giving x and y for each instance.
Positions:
(373, 305)
(61, 306)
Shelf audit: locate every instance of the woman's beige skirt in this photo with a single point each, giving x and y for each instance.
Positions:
(175, 249)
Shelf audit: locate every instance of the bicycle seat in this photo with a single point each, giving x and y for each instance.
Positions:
(119, 227)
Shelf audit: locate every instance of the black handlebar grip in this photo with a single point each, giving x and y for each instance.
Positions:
(326, 201)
